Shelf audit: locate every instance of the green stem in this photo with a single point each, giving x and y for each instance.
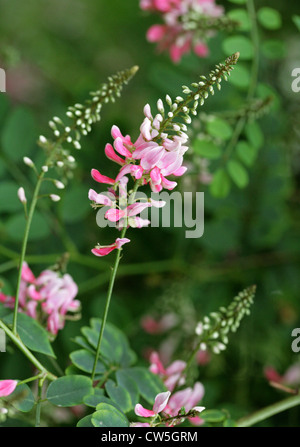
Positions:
(24, 246)
(39, 404)
(110, 288)
(16, 340)
(269, 411)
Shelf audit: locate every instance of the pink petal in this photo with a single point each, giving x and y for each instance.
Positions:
(137, 208)
(7, 387)
(116, 133)
(176, 367)
(114, 214)
(168, 184)
(102, 199)
(103, 251)
(27, 274)
(180, 171)
(196, 396)
(118, 145)
(161, 401)
(137, 171)
(156, 362)
(121, 241)
(157, 203)
(98, 177)
(110, 153)
(155, 175)
(156, 33)
(123, 171)
(152, 157)
(201, 49)
(33, 293)
(141, 411)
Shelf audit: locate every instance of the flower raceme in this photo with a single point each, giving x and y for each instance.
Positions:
(49, 297)
(176, 34)
(169, 408)
(157, 154)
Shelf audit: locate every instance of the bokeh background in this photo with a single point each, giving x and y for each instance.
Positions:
(54, 53)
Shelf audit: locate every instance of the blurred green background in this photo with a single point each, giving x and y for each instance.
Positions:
(54, 53)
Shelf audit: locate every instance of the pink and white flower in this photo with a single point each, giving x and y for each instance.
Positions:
(7, 387)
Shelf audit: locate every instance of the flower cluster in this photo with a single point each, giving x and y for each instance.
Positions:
(174, 402)
(47, 298)
(172, 410)
(156, 155)
(182, 30)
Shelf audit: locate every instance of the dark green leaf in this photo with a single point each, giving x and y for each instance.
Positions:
(108, 416)
(68, 391)
(85, 422)
(148, 384)
(32, 334)
(119, 395)
(22, 398)
(84, 360)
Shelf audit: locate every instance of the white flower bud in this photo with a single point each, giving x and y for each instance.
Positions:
(59, 185)
(42, 139)
(45, 168)
(60, 164)
(28, 162)
(21, 195)
(54, 197)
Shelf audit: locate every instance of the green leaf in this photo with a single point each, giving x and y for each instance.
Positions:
(246, 153)
(220, 185)
(22, 398)
(269, 18)
(93, 400)
(148, 384)
(206, 148)
(219, 128)
(108, 416)
(240, 76)
(86, 421)
(119, 349)
(9, 197)
(39, 227)
(240, 2)
(84, 360)
(68, 391)
(240, 15)
(296, 20)
(239, 43)
(19, 134)
(32, 334)
(254, 134)
(128, 383)
(213, 415)
(238, 173)
(119, 395)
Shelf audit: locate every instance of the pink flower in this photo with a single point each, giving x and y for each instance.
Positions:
(152, 326)
(7, 387)
(187, 398)
(47, 298)
(173, 36)
(98, 177)
(105, 250)
(172, 375)
(290, 377)
(160, 403)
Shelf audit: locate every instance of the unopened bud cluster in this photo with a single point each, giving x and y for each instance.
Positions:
(213, 330)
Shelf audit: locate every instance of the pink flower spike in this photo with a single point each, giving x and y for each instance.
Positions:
(110, 153)
(98, 177)
(27, 274)
(141, 411)
(161, 401)
(7, 387)
(121, 241)
(114, 214)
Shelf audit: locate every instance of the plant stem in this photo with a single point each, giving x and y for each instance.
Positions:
(39, 404)
(110, 288)
(24, 246)
(269, 411)
(16, 340)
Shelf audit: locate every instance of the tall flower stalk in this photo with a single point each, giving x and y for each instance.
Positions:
(155, 155)
(79, 119)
